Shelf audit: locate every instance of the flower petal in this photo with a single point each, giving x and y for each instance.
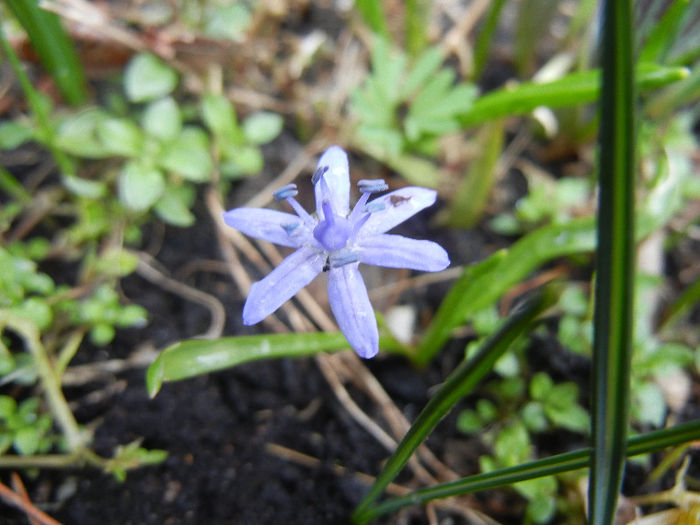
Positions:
(347, 294)
(337, 176)
(396, 251)
(293, 273)
(399, 205)
(268, 225)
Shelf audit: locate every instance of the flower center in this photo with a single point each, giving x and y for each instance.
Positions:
(333, 232)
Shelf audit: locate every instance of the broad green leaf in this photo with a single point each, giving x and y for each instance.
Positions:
(262, 127)
(120, 136)
(14, 134)
(188, 155)
(387, 67)
(117, 262)
(227, 21)
(77, 134)
(147, 78)
(174, 206)
(92, 189)
(188, 359)
(220, 117)
(139, 186)
(162, 119)
(26, 440)
(433, 92)
(241, 161)
(425, 66)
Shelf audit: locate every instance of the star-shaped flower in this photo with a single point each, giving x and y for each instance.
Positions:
(337, 240)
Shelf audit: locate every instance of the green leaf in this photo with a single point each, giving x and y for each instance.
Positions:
(162, 119)
(458, 384)
(567, 462)
(480, 285)
(469, 422)
(35, 310)
(139, 186)
(54, 47)
(188, 359)
(534, 417)
(174, 206)
(613, 318)
(426, 66)
(574, 88)
(188, 155)
(8, 406)
(473, 193)
(541, 386)
(147, 78)
(13, 134)
(220, 117)
(91, 189)
(227, 21)
(120, 136)
(116, 262)
(262, 127)
(77, 135)
(240, 161)
(26, 440)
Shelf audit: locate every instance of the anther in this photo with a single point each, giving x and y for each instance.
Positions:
(285, 192)
(372, 185)
(320, 171)
(375, 205)
(341, 258)
(289, 228)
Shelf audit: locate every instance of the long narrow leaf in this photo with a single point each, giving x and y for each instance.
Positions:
(571, 90)
(482, 284)
(460, 382)
(188, 359)
(54, 47)
(566, 462)
(614, 290)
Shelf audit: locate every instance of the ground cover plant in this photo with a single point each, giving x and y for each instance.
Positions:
(157, 365)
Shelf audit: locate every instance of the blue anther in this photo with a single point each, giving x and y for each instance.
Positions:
(318, 174)
(343, 257)
(285, 192)
(375, 205)
(289, 228)
(372, 185)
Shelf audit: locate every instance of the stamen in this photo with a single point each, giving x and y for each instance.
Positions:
(318, 174)
(372, 185)
(341, 258)
(375, 205)
(289, 228)
(285, 192)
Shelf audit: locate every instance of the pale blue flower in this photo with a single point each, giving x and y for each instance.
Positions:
(336, 240)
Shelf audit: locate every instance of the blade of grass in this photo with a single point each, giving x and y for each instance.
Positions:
(566, 462)
(459, 383)
(54, 47)
(574, 88)
(482, 284)
(483, 41)
(664, 33)
(614, 289)
(40, 107)
(373, 15)
(416, 28)
(472, 195)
